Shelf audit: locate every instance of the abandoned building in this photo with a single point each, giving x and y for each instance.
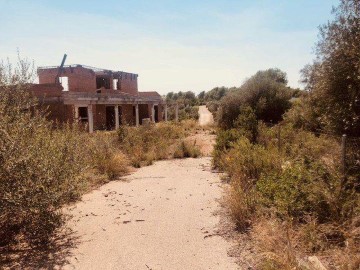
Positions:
(98, 98)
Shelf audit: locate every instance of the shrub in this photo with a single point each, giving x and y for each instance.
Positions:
(300, 190)
(224, 141)
(299, 184)
(145, 144)
(242, 206)
(265, 92)
(41, 170)
(106, 157)
(246, 162)
(187, 149)
(40, 167)
(247, 123)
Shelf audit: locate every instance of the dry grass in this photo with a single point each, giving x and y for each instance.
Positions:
(145, 144)
(187, 149)
(274, 244)
(105, 155)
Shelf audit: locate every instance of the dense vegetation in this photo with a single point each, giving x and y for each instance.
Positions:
(292, 192)
(187, 103)
(265, 93)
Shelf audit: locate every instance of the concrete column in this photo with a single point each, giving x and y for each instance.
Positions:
(177, 113)
(137, 120)
(153, 113)
(165, 108)
(117, 122)
(76, 108)
(90, 118)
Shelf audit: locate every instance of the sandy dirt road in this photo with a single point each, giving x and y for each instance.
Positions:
(160, 217)
(205, 116)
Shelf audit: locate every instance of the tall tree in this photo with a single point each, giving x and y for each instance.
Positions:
(333, 80)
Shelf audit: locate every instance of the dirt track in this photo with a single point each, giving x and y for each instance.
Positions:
(205, 116)
(161, 217)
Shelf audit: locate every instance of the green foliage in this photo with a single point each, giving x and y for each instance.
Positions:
(334, 78)
(299, 190)
(302, 116)
(273, 74)
(247, 123)
(224, 141)
(216, 94)
(246, 162)
(229, 110)
(187, 104)
(266, 93)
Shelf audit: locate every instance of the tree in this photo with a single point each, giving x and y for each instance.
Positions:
(201, 95)
(265, 93)
(333, 79)
(273, 74)
(216, 93)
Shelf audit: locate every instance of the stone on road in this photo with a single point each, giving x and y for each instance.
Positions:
(160, 217)
(205, 116)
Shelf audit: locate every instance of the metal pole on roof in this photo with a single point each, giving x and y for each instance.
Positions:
(60, 69)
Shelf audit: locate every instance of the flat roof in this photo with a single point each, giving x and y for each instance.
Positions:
(95, 69)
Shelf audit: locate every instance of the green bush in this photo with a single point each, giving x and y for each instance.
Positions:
(300, 190)
(247, 123)
(265, 92)
(246, 162)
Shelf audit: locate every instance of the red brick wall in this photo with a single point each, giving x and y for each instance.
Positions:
(46, 90)
(143, 112)
(80, 79)
(99, 112)
(58, 112)
(128, 83)
(83, 79)
(128, 117)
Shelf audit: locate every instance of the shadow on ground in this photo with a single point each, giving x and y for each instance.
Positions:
(50, 256)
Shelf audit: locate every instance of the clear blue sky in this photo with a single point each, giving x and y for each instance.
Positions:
(172, 45)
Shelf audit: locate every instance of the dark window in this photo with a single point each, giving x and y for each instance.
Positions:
(102, 82)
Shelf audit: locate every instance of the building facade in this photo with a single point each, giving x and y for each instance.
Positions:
(98, 98)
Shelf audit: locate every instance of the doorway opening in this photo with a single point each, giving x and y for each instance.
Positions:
(83, 114)
(156, 109)
(110, 117)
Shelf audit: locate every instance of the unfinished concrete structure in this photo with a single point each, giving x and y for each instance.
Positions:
(102, 99)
